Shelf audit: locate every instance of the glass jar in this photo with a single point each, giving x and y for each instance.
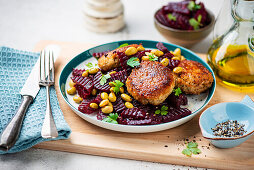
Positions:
(231, 55)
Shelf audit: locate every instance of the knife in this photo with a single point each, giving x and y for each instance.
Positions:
(28, 92)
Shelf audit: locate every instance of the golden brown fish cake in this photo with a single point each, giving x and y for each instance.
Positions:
(194, 79)
(111, 59)
(150, 83)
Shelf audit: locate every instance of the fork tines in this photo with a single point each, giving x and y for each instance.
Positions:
(46, 68)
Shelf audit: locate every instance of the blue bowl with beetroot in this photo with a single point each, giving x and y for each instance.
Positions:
(195, 102)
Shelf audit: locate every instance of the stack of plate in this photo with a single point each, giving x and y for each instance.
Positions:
(103, 15)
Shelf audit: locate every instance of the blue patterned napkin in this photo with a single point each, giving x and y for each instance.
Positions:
(15, 67)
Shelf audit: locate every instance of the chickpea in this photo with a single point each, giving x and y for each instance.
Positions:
(94, 92)
(93, 70)
(177, 69)
(128, 105)
(71, 90)
(111, 84)
(107, 109)
(111, 89)
(94, 105)
(131, 51)
(104, 95)
(110, 104)
(77, 99)
(112, 72)
(71, 83)
(157, 52)
(176, 58)
(85, 74)
(177, 52)
(121, 90)
(165, 61)
(140, 48)
(126, 97)
(145, 58)
(104, 103)
(112, 97)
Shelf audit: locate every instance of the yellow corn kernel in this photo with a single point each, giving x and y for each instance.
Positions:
(107, 109)
(77, 99)
(176, 58)
(165, 61)
(112, 97)
(111, 89)
(126, 97)
(177, 69)
(93, 70)
(140, 48)
(177, 52)
(111, 84)
(71, 83)
(94, 105)
(145, 58)
(94, 92)
(71, 90)
(112, 72)
(131, 51)
(182, 58)
(104, 103)
(128, 105)
(157, 52)
(104, 95)
(85, 74)
(121, 90)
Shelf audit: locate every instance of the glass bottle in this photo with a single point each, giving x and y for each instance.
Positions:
(231, 55)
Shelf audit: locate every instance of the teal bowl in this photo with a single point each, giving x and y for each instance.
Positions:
(242, 111)
(88, 56)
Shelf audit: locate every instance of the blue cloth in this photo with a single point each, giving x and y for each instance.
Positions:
(15, 67)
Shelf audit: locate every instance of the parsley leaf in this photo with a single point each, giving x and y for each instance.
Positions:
(152, 57)
(162, 111)
(199, 18)
(117, 85)
(164, 108)
(193, 6)
(171, 17)
(177, 91)
(89, 65)
(133, 61)
(112, 118)
(196, 23)
(103, 78)
(187, 152)
(192, 148)
(157, 112)
(123, 45)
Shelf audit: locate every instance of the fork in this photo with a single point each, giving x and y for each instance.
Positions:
(47, 78)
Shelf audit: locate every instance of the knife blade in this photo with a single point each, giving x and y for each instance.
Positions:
(10, 134)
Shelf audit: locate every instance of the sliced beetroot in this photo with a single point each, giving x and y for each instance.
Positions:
(135, 122)
(118, 105)
(101, 115)
(96, 81)
(85, 82)
(133, 113)
(177, 101)
(100, 54)
(81, 91)
(173, 63)
(84, 107)
(77, 72)
(120, 75)
(162, 48)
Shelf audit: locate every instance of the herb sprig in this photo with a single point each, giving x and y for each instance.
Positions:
(123, 45)
(117, 85)
(171, 17)
(196, 23)
(103, 78)
(133, 62)
(193, 6)
(152, 57)
(163, 111)
(177, 91)
(91, 65)
(192, 148)
(111, 118)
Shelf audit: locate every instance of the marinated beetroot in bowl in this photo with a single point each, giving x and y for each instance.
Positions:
(184, 15)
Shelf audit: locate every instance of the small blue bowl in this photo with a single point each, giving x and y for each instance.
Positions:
(242, 111)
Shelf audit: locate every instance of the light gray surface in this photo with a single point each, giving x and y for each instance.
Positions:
(25, 22)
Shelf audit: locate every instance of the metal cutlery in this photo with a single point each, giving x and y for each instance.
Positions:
(47, 79)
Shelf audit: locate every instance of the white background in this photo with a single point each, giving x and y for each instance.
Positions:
(25, 22)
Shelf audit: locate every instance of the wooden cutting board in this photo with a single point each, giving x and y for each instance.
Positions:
(164, 147)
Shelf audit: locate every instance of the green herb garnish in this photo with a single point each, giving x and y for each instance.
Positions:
(177, 91)
(112, 118)
(193, 6)
(162, 111)
(196, 23)
(117, 85)
(103, 78)
(90, 65)
(152, 57)
(171, 17)
(192, 148)
(123, 45)
(133, 61)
